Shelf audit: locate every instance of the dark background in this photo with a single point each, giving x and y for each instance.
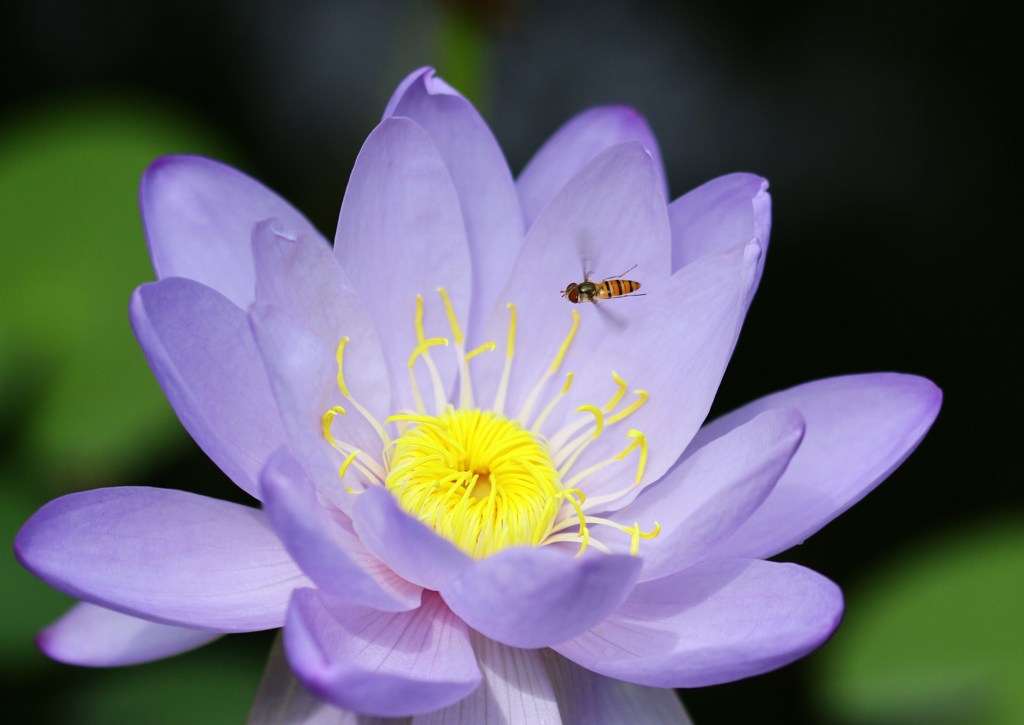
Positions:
(887, 132)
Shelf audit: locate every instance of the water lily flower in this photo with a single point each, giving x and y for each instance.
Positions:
(477, 500)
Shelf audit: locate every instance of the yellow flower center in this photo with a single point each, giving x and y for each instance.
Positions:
(477, 478)
(481, 478)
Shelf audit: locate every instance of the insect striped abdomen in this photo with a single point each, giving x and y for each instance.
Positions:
(617, 288)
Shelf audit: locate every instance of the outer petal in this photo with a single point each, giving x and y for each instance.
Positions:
(300, 276)
(303, 376)
(282, 700)
(574, 146)
(587, 698)
(707, 496)
(330, 555)
(676, 350)
(401, 234)
(501, 596)
(407, 546)
(164, 555)
(719, 215)
(860, 428)
(199, 216)
(202, 352)
(377, 662)
(612, 214)
(93, 636)
(487, 194)
(516, 689)
(715, 622)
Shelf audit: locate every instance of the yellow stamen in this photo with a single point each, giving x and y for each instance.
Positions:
(475, 477)
(486, 347)
(610, 405)
(551, 405)
(435, 377)
(339, 357)
(642, 396)
(348, 462)
(452, 321)
(556, 363)
(325, 422)
(506, 371)
(575, 497)
(563, 463)
(637, 440)
(465, 384)
(421, 351)
(481, 480)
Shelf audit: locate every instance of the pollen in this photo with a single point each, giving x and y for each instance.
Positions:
(477, 478)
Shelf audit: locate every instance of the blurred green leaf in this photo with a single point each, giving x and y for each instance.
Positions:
(213, 685)
(463, 51)
(938, 637)
(86, 403)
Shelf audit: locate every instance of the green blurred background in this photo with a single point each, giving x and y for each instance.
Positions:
(887, 134)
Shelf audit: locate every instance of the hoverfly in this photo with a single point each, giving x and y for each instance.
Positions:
(607, 288)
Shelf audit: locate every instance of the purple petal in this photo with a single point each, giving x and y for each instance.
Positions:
(719, 215)
(487, 194)
(859, 429)
(610, 216)
(303, 376)
(380, 663)
(202, 353)
(588, 698)
(535, 597)
(424, 75)
(164, 555)
(330, 555)
(282, 700)
(677, 350)
(407, 546)
(93, 636)
(515, 689)
(707, 496)
(574, 146)
(716, 622)
(400, 234)
(199, 216)
(300, 276)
